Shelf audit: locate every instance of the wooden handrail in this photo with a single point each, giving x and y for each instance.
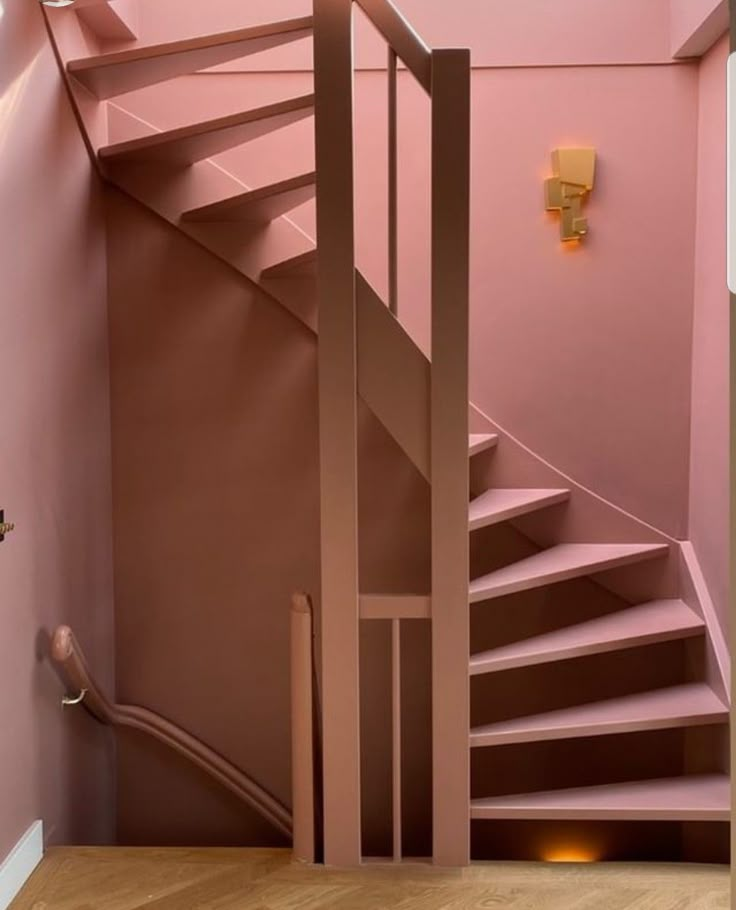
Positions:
(66, 652)
(302, 728)
(402, 38)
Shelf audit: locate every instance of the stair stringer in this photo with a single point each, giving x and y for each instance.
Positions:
(589, 518)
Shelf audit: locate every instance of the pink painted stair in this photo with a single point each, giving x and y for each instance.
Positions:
(657, 621)
(690, 705)
(110, 22)
(495, 506)
(188, 144)
(261, 205)
(560, 563)
(481, 442)
(305, 264)
(693, 798)
(107, 75)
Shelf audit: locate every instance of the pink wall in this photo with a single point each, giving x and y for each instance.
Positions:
(582, 354)
(54, 446)
(709, 469)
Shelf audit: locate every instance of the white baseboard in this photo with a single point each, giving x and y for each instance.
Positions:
(20, 862)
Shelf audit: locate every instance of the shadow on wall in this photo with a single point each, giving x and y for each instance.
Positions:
(54, 448)
(215, 490)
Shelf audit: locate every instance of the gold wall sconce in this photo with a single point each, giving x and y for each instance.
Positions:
(574, 171)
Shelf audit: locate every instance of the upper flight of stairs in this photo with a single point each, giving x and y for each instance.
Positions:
(114, 74)
(214, 209)
(189, 144)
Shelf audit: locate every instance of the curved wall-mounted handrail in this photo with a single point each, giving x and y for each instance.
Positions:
(68, 655)
(402, 38)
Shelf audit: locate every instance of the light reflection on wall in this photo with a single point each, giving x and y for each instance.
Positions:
(11, 98)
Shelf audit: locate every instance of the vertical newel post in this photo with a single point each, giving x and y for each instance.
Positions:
(302, 729)
(333, 82)
(449, 453)
(393, 186)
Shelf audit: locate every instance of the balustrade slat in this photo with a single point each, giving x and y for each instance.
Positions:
(393, 176)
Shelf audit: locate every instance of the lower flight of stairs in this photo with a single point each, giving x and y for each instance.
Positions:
(689, 797)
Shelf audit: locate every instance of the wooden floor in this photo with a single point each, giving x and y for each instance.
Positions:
(119, 878)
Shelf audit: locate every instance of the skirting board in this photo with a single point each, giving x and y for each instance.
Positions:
(20, 862)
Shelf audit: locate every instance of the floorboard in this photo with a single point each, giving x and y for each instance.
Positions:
(120, 878)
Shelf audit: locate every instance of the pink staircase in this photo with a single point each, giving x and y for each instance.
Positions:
(601, 543)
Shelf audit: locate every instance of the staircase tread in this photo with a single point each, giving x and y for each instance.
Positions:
(106, 20)
(703, 797)
(657, 620)
(559, 563)
(177, 140)
(303, 264)
(480, 442)
(122, 71)
(498, 505)
(261, 204)
(689, 704)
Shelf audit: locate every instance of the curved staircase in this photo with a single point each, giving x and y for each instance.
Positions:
(566, 534)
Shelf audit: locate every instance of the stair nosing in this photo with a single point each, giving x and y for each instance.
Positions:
(717, 712)
(489, 808)
(119, 149)
(268, 191)
(186, 45)
(484, 663)
(547, 498)
(637, 553)
(489, 441)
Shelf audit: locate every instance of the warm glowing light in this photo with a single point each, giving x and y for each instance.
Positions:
(11, 98)
(571, 854)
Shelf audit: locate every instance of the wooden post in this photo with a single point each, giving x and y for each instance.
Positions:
(396, 735)
(302, 730)
(333, 78)
(449, 454)
(732, 484)
(393, 177)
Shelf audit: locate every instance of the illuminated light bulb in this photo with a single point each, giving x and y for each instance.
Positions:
(571, 854)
